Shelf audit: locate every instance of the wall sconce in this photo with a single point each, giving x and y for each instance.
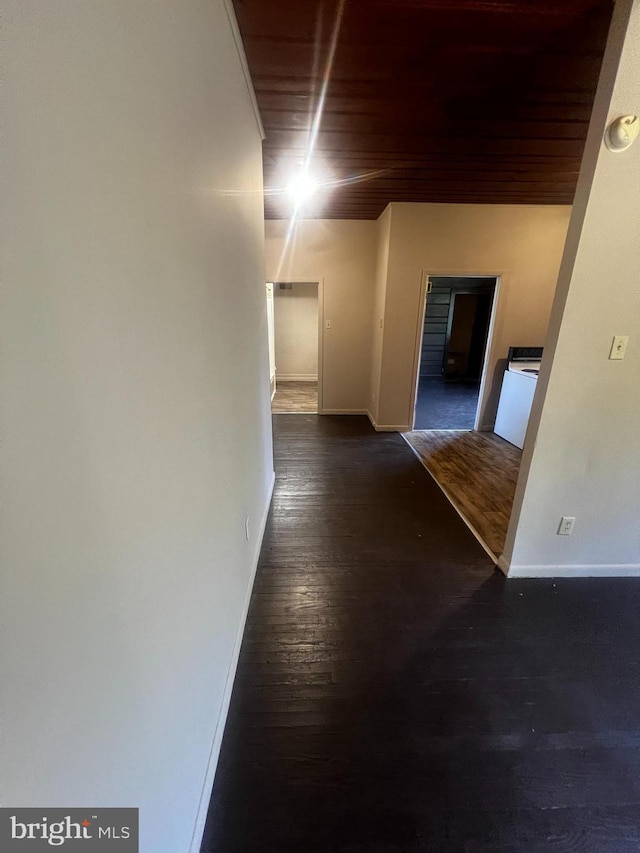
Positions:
(621, 133)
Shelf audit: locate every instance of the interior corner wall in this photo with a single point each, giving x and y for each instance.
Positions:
(341, 254)
(135, 401)
(377, 330)
(521, 243)
(582, 454)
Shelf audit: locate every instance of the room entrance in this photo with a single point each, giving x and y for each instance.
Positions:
(454, 341)
(294, 345)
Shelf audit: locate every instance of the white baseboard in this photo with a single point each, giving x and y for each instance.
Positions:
(503, 565)
(619, 570)
(297, 377)
(392, 428)
(203, 807)
(343, 412)
(386, 427)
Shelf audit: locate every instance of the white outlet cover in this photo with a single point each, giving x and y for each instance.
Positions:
(566, 525)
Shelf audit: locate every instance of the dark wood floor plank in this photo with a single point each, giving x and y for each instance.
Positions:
(395, 694)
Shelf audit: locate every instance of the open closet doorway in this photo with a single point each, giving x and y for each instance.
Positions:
(294, 346)
(455, 338)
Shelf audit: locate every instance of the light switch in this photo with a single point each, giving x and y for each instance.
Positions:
(327, 324)
(619, 347)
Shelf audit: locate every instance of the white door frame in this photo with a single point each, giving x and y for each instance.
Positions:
(319, 281)
(422, 307)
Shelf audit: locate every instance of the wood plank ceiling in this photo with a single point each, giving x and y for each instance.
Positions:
(481, 101)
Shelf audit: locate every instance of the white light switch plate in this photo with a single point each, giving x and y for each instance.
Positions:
(619, 347)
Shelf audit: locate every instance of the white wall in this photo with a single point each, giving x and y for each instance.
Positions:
(341, 254)
(521, 243)
(296, 332)
(135, 400)
(582, 453)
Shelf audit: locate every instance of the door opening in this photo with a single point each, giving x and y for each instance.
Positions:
(455, 336)
(295, 344)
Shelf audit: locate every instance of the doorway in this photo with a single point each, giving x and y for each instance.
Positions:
(294, 315)
(455, 337)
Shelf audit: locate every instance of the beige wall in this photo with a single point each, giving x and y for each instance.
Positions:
(296, 332)
(582, 451)
(341, 254)
(135, 402)
(372, 273)
(377, 332)
(522, 244)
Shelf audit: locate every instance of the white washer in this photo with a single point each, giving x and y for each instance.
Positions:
(518, 387)
(529, 368)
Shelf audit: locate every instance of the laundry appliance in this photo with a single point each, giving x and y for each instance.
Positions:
(516, 397)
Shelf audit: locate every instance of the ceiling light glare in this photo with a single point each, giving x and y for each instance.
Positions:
(301, 188)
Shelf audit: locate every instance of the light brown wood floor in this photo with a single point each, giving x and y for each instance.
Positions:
(295, 397)
(478, 471)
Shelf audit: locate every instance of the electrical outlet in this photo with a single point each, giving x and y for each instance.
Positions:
(619, 347)
(566, 525)
(246, 527)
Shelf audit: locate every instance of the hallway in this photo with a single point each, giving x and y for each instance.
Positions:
(396, 694)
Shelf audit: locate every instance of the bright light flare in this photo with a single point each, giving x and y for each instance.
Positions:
(302, 187)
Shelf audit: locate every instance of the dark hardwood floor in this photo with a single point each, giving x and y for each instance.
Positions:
(396, 694)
